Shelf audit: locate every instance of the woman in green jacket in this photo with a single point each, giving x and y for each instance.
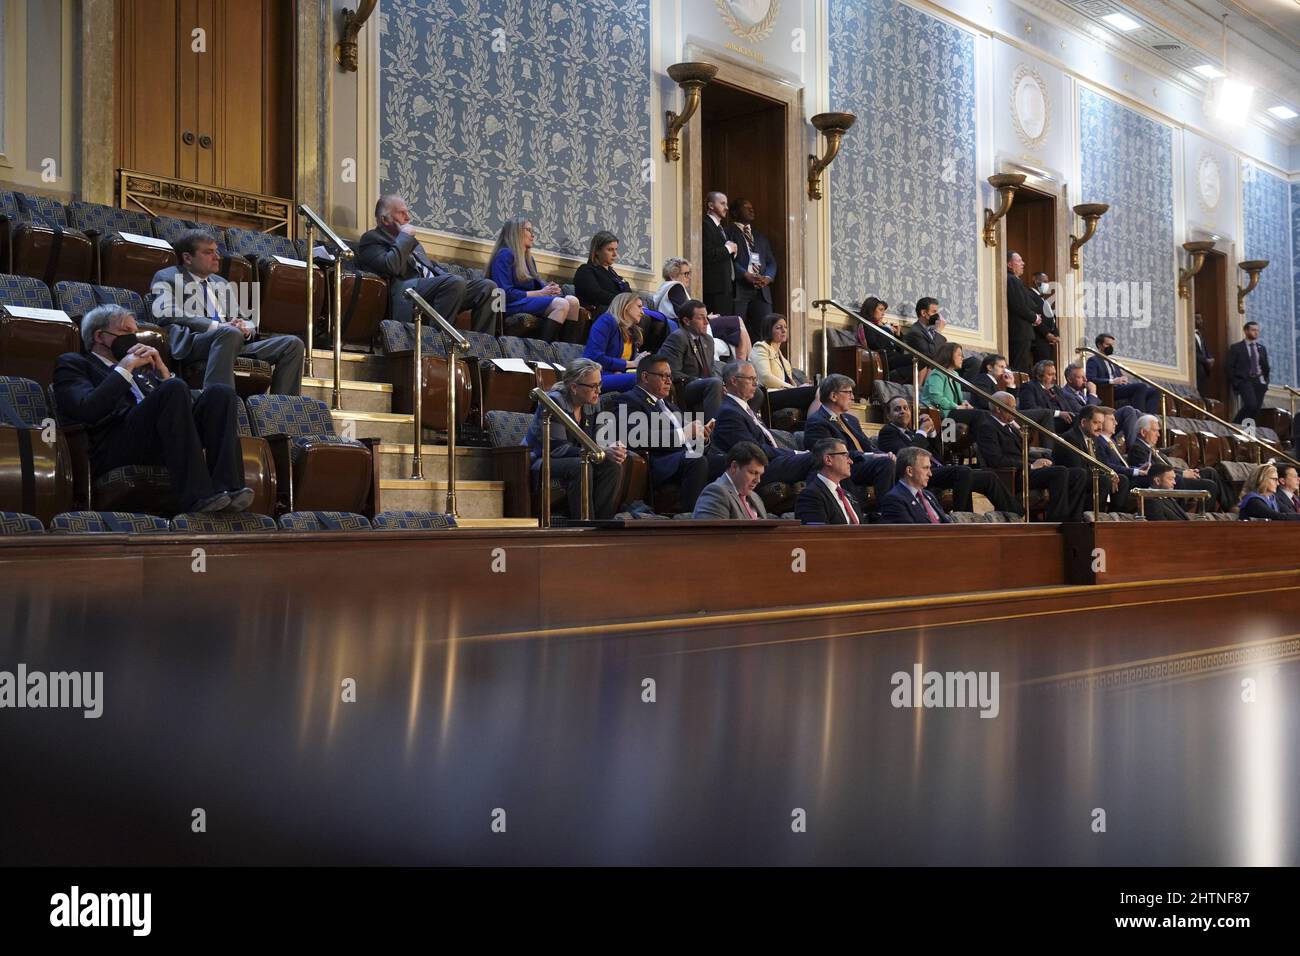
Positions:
(943, 393)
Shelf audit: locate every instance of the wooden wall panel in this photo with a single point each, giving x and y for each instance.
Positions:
(147, 135)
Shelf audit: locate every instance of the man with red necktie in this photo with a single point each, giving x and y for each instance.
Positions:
(909, 501)
(824, 499)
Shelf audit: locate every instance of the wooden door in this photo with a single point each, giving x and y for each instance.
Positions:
(206, 91)
(743, 155)
(1209, 296)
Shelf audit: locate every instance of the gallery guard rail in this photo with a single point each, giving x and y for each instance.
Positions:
(342, 252)
(591, 454)
(456, 344)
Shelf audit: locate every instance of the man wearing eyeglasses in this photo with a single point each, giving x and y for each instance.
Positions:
(737, 422)
(652, 427)
(871, 467)
(824, 499)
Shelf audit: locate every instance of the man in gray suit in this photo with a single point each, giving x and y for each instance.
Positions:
(199, 312)
(694, 368)
(392, 251)
(732, 495)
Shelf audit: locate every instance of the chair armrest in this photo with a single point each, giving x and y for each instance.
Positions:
(283, 458)
(373, 506)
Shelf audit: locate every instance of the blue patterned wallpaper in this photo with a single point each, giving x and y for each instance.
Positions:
(1295, 269)
(1266, 222)
(1127, 161)
(903, 189)
(547, 117)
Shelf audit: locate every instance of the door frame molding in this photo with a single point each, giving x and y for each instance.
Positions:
(744, 76)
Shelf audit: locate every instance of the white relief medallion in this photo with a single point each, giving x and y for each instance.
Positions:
(1209, 182)
(1031, 109)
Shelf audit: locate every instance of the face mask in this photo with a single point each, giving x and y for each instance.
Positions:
(1108, 350)
(1043, 288)
(123, 344)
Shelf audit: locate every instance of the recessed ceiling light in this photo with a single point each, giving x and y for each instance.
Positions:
(1283, 112)
(1120, 22)
(1208, 71)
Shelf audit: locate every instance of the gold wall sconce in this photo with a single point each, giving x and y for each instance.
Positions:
(692, 78)
(1252, 267)
(345, 51)
(1089, 212)
(833, 126)
(1198, 250)
(1006, 184)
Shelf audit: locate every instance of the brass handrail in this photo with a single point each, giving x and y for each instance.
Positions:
(935, 366)
(1142, 494)
(591, 454)
(342, 252)
(456, 343)
(1165, 392)
(1292, 394)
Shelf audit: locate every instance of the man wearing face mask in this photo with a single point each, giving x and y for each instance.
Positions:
(1138, 394)
(1046, 333)
(137, 413)
(926, 333)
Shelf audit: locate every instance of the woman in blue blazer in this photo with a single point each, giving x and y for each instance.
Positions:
(615, 343)
(512, 268)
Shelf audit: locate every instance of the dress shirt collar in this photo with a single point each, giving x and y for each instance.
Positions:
(716, 221)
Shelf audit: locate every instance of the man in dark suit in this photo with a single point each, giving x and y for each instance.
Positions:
(1022, 319)
(652, 427)
(719, 254)
(1287, 497)
(909, 501)
(755, 268)
(1046, 333)
(1145, 451)
(1138, 394)
(199, 313)
(824, 499)
(998, 438)
(1041, 396)
(737, 422)
(1163, 509)
(695, 370)
(1204, 360)
(926, 333)
(871, 467)
(1083, 437)
(897, 434)
(392, 251)
(137, 413)
(1248, 372)
(1077, 392)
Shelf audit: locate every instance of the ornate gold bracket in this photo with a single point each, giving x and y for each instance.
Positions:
(1089, 212)
(345, 51)
(1198, 250)
(1006, 184)
(692, 78)
(1252, 267)
(833, 126)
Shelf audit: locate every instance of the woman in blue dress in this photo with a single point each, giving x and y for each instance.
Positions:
(615, 343)
(512, 268)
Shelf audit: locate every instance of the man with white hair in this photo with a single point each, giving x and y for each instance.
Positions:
(136, 412)
(1145, 451)
(392, 251)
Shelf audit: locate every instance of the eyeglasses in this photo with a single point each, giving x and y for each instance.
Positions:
(595, 385)
(843, 391)
(746, 378)
(530, 230)
(835, 454)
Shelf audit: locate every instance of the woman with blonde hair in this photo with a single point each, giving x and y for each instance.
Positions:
(512, 268)
(615, 342)
(1257, 501)
(674, 294)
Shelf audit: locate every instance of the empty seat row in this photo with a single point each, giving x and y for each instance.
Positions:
(123, 522)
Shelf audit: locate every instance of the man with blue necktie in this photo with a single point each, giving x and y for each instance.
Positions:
(196, 309)
(737, 422)
(137, 413)
(1248, 372)
(909, 501)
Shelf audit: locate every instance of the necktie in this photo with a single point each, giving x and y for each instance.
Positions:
(1254, 361)
(208, 309)
(705, 366)
(925, 502)
(749, 509)
(848, 432)
(767, 435)
(848, 508)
